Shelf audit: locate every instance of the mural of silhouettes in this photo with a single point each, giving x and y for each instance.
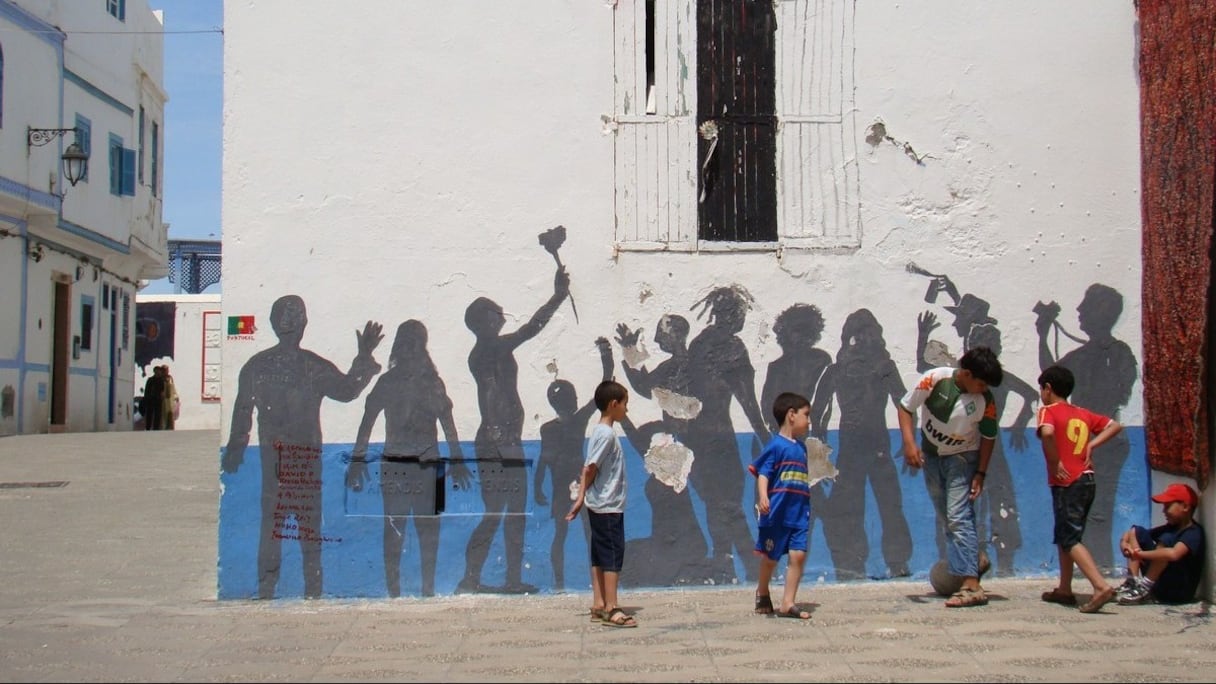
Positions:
(676, 550)
(498, 444)
(1105, 370)
(413, 399)
(996, 511)
(721, 372)
(863, 381)
(286, 385)
(561, 457)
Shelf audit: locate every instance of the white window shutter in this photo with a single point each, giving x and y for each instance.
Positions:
(655, 128)
(817, 189)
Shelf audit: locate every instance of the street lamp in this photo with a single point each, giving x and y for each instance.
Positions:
(75, 160)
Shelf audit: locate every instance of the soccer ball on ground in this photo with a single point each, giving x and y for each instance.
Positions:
(946, 584)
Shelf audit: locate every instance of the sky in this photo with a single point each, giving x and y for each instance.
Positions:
(194, 76)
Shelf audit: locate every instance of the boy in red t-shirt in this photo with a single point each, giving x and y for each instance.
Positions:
(1069, 434)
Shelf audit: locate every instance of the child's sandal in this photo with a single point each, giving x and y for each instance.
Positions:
(764, 604)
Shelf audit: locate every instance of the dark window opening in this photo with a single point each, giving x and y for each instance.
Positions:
(126, 320)
(736, 121)
(86, 325)
(651, 97)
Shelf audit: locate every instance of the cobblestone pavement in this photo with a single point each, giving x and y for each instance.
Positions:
(108, 574)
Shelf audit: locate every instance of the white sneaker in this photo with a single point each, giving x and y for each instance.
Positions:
(1128, 585)
(1139, 595)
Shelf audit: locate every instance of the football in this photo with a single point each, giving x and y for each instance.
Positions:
(946, 584)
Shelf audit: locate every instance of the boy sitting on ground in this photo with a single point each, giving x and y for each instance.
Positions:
(1166, 562)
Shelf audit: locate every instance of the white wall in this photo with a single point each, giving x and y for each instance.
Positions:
(198, 412)
(487, 130)
(408, 166)
(62, 58)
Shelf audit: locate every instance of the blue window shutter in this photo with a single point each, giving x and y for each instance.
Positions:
(115, 168)
(128, 172)
(155, 157)
(84, 136)
(141, 144)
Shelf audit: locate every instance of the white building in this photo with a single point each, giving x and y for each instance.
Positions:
(186, 332)
(945, 170)
(71, 256)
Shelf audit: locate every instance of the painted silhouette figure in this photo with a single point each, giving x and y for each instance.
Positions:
(801, 364)
(996, 512)
(863, 381)
(1105, 370)
(675, 552)
(561, 457)
(799, 369)
(413, 398)
(722, 372)
(498, 445)
(670, 382)
(285, 385)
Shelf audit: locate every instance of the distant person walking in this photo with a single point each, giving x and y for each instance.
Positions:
(154, 399)
(170, 403)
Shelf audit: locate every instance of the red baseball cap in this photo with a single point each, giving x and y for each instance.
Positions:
(1177, 492)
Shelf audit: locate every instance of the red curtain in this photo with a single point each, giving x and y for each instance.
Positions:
(1178, 178)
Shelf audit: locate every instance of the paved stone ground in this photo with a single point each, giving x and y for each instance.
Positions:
(111, 577)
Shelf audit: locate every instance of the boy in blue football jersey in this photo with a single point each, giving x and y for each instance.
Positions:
(783, 501)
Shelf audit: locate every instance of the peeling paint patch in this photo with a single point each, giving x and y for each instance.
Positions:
(676, 405)
(644, 294)
(938, 354)
(669, 461)
(877, 134)
(635, 355)
(818, 466)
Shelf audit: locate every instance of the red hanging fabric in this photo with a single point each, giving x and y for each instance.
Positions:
(1178, 178)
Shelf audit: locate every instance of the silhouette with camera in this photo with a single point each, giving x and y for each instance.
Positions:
(1105, 370)
(997, 519)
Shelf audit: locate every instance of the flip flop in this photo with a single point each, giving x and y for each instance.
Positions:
(1056, 596)
(794, 613)
(1098, 600)
(764, 604)
(611, 619)
(597, 614)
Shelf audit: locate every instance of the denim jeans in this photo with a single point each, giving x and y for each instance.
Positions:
(948, 479)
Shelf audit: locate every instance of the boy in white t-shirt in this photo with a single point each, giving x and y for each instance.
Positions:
(602, 490)
(958, 430)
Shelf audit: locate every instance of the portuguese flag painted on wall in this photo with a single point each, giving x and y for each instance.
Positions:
(241, 325)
